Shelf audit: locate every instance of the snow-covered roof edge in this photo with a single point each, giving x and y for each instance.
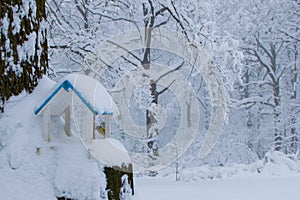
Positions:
(66, 85)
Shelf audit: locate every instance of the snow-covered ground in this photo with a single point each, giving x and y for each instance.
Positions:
(62, 168)
(275, 177)
(242, 188)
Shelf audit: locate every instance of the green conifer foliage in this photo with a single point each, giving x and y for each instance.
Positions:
(23, 46)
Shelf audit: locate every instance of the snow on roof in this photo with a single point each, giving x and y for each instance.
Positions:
(42, 90)
(87, 89)
(110, 152)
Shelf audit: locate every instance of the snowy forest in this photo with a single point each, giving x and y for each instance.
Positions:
(254, 48)
(255, 44)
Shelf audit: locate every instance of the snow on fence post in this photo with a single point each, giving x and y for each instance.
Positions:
(114, 180)
(116, 161)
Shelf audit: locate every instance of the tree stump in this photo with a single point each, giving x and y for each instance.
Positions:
(114, 180)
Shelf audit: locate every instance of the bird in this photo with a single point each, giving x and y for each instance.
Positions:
(101, 129)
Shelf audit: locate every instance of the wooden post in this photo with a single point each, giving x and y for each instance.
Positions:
(114, 179)
(107, 124)
(68, 121)
(46, 123)
(94, 136)
(89, 132)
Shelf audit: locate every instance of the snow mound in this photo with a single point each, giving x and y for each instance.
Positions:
(31, 168)
(109, 152)
(76, 176)
(273, 164)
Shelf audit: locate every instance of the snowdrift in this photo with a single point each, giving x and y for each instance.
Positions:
(31, 168)
(273, 164)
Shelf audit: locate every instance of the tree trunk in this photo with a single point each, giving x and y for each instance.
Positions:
(152, 121)
(114, 180)
(276, 114)
(294, 139)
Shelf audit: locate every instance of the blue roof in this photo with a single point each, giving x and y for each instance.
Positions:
(66, 85)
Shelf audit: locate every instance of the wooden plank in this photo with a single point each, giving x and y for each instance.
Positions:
(107, 125)
(68, 121)
(89, 132)
(46, 123)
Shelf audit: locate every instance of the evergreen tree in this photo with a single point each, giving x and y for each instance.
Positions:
(23, 46)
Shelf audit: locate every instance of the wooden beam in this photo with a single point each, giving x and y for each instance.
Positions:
(68, 121)
(46, 123)
(89, 132)
(94, 136)
(107, 125)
